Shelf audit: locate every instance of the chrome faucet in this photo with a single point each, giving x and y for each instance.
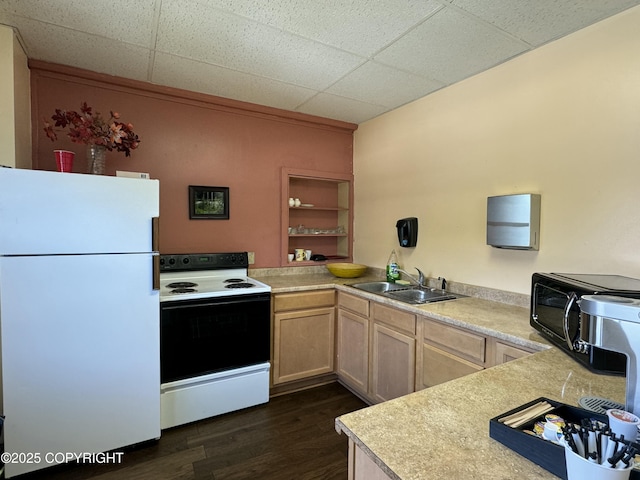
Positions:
(420, 281)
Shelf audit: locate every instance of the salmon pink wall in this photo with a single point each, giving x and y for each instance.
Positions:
(194, 139)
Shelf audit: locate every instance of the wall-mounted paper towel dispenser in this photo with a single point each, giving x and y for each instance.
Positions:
(407, 231)
(513, 221)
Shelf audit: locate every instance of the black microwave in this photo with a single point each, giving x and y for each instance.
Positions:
(555, 313)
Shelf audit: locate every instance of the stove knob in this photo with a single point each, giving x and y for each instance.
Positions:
(161, 261)
(185, 260)
(172, 261)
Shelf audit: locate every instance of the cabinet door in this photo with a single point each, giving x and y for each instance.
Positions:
(393, 363)
(439, 366)
(353, 350)
(303, 344)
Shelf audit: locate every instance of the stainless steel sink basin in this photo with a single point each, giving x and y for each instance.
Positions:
(379, 287)
(417, 296)
(405, 293)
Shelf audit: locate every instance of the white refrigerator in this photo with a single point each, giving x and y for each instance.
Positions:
(79, 315)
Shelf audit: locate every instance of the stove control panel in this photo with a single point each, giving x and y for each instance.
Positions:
(203, 261)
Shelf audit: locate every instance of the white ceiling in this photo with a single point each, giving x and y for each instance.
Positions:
(349, 60)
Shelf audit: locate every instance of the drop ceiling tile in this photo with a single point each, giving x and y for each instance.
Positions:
(341, 108)
(69, 47)
(130, 22)
(195, 31)
(362, 27)
(450, 46)
(281, 53)
(383, 85)
(200, 77)
(541, 21)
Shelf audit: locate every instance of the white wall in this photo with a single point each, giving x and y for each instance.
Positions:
(562, 121)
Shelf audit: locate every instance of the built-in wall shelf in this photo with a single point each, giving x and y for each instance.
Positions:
(318, 235)
(326, 227)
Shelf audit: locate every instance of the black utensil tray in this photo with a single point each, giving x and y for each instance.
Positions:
(541, 452)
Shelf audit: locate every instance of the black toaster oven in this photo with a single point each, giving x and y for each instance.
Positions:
(555, 313)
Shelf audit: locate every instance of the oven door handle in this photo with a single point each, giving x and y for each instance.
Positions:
(565, 319)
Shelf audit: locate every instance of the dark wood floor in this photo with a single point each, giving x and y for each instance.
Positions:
(290, 438)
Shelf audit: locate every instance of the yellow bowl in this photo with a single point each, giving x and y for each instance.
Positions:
(346, 270)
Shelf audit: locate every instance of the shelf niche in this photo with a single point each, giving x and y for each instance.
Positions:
(331, 198)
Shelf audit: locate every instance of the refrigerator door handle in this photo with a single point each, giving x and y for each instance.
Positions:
(155, 247)
(155, 234)
(156, 271)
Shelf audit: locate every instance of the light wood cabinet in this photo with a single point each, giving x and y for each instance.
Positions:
(361, 467)
(376, 348)
(378, 351)
(323, 223)
(437, 366)
(393, 353)
(303, 335)
(463, 343)
(505, 352)
(447, 352)
(353, 342)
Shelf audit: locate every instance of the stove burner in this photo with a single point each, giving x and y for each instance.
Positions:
(239, 285)
(183, 290)
(234, 280)
(182, 285)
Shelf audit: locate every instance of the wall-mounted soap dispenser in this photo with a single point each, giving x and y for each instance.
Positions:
(513, 221)
(407, 231)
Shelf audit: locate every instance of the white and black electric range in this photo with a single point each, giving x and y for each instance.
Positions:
(206, 275)
(215, 324)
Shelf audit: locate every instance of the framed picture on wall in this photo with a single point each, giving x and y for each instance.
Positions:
(208, 202)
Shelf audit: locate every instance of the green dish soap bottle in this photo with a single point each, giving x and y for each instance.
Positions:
(392, 268)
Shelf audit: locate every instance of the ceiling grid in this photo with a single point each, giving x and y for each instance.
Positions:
(349, 60)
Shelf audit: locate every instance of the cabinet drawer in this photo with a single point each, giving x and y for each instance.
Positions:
(466, 344)
(395, 318)
(302, 300)
(355, 304)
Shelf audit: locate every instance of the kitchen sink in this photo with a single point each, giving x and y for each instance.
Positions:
(379, 287)
(418, 296)
(405, 293)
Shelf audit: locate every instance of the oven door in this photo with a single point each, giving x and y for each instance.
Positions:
(203, 336)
